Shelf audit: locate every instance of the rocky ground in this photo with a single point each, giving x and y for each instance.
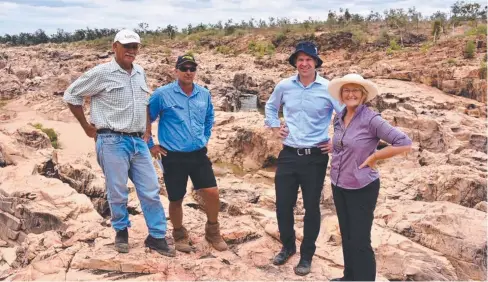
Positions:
(430, 222)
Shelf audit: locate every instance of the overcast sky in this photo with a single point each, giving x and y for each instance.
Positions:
(29, 15)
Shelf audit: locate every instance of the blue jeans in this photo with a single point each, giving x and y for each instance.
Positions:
(122, 157)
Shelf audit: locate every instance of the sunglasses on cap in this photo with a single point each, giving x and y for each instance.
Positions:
(185, 69)
(134, 46)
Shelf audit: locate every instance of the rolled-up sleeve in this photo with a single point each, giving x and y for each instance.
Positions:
(89, 84)
(273, 106)
(388, 133)
(154, 109)
(209, 119)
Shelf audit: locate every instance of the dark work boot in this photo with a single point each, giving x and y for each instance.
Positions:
(159, 245)
(303, 267)
(283, 256)
(122, 241)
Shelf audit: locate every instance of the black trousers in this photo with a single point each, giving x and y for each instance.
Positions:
(355, 211)
(308, 172)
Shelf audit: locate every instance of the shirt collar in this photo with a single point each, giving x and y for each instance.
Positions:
(318, 79)
(359, 109)
(114, 66)
(177, 88)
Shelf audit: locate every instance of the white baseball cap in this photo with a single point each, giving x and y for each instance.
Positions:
(127, 36)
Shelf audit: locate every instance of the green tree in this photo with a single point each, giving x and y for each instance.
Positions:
(40, 37)
(397, 18)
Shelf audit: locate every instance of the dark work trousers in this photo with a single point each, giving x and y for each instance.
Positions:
(308, 172)
(355, 211)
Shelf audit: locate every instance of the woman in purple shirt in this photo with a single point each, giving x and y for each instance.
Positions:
(355, 180)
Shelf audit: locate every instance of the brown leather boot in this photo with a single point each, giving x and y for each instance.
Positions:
(212, 235)
(182, 240)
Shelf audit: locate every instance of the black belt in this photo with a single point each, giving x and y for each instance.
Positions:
(106, 130)
(303, 151)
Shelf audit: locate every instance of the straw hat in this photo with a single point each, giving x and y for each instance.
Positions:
(336, 84)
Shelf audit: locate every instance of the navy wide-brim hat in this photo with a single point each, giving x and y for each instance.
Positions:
(308, 48)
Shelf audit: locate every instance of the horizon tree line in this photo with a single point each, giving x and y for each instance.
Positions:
(393, 18)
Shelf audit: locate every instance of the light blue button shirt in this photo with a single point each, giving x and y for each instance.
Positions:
(307, 111)
(185, 122)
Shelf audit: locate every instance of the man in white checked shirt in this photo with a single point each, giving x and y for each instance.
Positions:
(118, 120)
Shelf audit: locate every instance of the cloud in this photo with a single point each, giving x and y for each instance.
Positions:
(29, 15)
(51, 3)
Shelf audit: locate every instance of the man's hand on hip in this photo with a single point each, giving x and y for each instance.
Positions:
(158, 151)
(90, 130)
(325, 147)
(281, 132)
(147, 135)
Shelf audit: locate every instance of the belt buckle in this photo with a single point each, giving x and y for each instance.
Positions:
(306, 151)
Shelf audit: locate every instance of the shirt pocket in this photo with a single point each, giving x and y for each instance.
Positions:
(115, 94)
(173, 113)
(142, 95)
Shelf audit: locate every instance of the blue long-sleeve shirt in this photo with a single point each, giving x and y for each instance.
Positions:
(307, 111)
(185, 122)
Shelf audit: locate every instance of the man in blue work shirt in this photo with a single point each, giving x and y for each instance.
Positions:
(307, 109)
(185, 125)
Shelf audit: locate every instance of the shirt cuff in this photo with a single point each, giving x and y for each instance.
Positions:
(77, 101)
(273, 123)
(150, 143)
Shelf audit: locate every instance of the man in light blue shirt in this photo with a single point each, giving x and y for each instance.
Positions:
(186, 117)
(307, 110)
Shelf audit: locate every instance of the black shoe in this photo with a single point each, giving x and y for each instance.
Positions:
(160, 246)
(122, 241)
(283, 256)
(303, 267)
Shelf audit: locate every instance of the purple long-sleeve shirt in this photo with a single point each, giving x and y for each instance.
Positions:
(354, 144)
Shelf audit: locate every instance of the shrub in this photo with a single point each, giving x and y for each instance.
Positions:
(226, 50)
(393, 47)
(279, 38)
(261, 48)
(436, 29)
(483, 71)
(479, 30)
(53, 136)
(358, 36)
(469, 50)
(383, 37)
(452, 61)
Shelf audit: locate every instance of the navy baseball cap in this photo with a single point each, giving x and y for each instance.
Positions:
(187, 58)
(308, 48)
